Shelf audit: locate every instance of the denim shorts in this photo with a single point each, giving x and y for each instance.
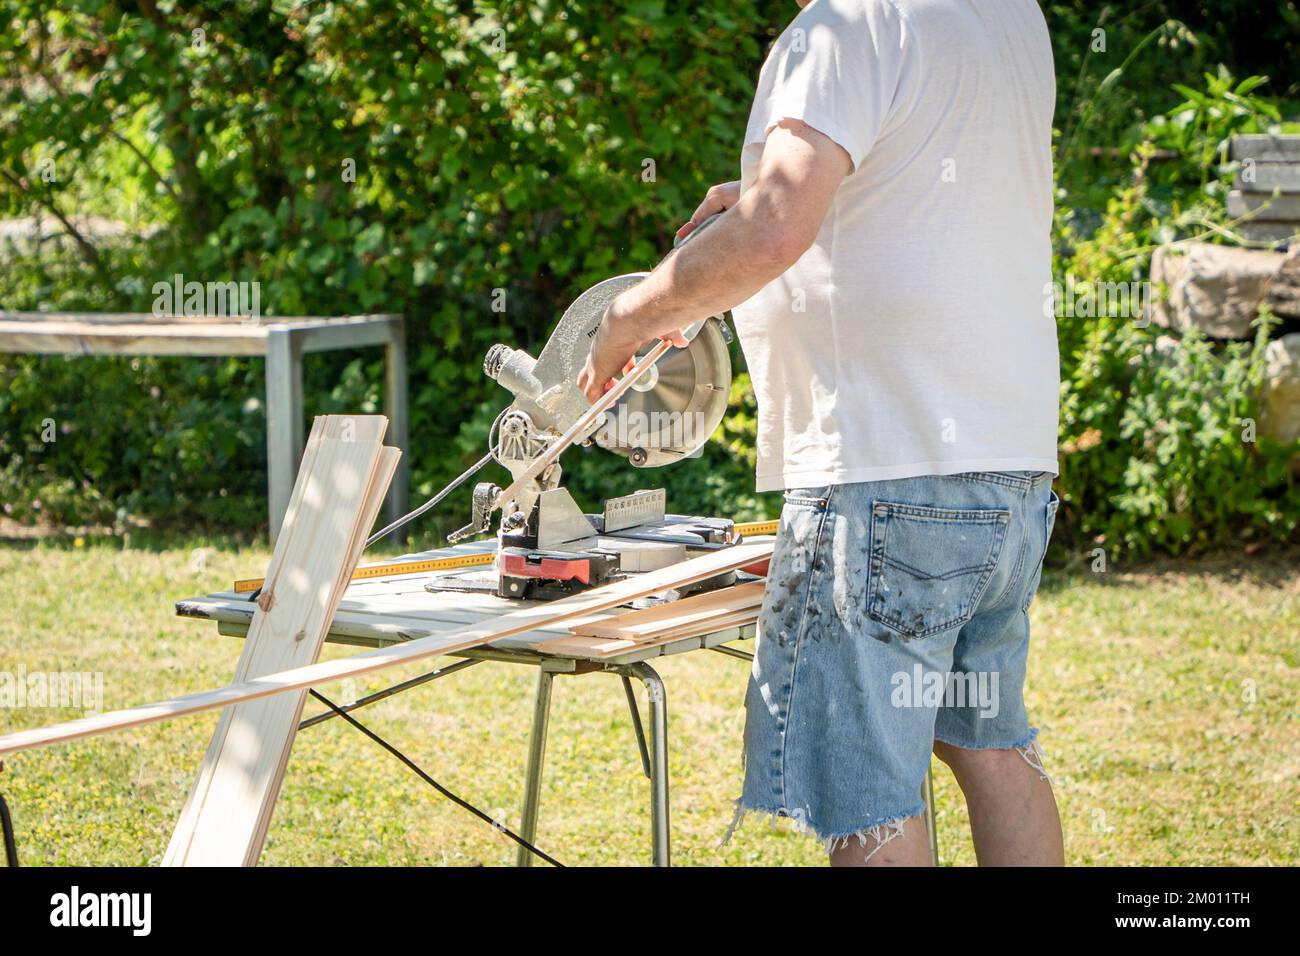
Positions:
(895, 614)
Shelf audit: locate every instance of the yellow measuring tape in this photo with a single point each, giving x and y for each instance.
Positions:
(393, 568)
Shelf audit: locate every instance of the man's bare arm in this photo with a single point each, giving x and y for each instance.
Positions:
(758, 239)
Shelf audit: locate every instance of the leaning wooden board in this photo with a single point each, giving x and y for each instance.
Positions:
(516, 622)
(341, 484)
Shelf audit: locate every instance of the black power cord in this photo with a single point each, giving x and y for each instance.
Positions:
(7, 824)
(416, 769)
(412, 515)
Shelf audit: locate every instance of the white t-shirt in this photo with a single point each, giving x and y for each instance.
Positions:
(912, 337)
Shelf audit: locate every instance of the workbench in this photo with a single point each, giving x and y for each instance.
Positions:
(377, 612)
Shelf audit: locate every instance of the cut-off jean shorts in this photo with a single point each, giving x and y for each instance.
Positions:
(895, 614)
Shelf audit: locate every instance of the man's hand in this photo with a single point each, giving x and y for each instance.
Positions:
(612, 353)
(719, 198)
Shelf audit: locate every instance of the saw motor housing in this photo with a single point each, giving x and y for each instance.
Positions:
(547, 544)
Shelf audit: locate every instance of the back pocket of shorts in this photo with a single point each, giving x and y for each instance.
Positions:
(930, 566)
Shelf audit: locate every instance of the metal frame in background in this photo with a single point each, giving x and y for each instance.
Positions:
(282, 340)
(286, 343)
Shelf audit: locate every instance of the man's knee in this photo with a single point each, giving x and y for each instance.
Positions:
(950, 755)
(962, 760)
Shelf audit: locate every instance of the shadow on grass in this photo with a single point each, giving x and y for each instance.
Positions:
(1275, 566)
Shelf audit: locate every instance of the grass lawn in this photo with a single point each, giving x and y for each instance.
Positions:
(1167, 699)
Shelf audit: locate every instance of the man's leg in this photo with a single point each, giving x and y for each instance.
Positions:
(910, 848)
(1013, 818)
(856, 647)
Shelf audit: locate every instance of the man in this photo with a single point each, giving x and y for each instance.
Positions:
(885, 255)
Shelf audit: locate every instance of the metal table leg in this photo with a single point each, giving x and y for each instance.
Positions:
(395, 407)
(637, 728)
(284, 421)
(732, 652)
(659, 840)
(536, 758)
(927, 794)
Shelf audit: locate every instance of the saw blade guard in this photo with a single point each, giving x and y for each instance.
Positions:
(666, 416)
(673, 410)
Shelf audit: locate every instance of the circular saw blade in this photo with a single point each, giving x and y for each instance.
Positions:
(668, 415)
(675, 409)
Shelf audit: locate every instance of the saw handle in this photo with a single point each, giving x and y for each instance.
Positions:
(678, 243)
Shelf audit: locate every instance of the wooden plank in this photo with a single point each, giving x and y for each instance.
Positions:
(1266, 177)
(1266, 148)
(334, 503)
(141, 333)
(94, 319)
(162, 321)
(278, 608)
(61, 339)
(1264, 207)
(243, 777)
(375, 494)
(699, 628)
(582, 646)
(646, 622)
(368, 662)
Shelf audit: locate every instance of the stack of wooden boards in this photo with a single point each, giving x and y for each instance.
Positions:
(1267, 186)
(692, 616)
(341, 484)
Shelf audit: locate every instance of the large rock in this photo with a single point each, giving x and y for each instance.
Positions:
(1217, 289)
(1279, 413)
(1284, 291)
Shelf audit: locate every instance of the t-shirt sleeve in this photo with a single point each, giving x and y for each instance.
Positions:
(837, 68)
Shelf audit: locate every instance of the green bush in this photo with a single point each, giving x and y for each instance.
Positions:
(1158, 447)
(495, 147)
(503, 146)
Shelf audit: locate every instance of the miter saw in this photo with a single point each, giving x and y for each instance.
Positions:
(547, 545)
